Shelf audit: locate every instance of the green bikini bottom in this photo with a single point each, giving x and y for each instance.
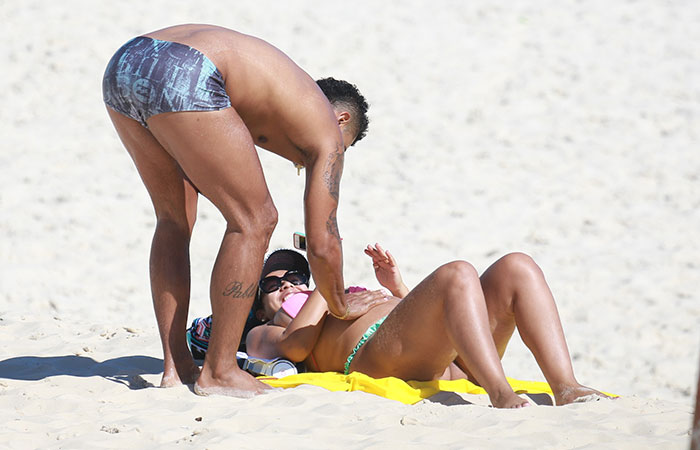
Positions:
(363, 340)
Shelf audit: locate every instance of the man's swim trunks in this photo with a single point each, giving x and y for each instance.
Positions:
(148, 76)
(363, 340)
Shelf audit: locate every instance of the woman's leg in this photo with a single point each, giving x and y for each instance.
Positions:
(517, 294)
(444, 316)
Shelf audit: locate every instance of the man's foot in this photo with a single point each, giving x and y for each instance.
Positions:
(186, 373)
(235, 383)
(577, 394)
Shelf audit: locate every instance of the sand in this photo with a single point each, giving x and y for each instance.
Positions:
(567, 130)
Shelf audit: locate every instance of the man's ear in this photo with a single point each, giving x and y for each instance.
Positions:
(343, 118)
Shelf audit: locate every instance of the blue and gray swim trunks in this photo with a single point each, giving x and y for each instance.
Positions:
(148, 76)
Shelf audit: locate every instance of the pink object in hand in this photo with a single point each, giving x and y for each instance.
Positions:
(294, 302)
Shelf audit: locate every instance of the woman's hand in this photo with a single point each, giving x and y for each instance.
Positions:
(386, 270)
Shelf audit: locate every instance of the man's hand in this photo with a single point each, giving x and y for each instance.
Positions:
(361, 302)
(386, 270)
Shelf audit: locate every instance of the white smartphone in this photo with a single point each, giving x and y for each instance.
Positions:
(299, 240)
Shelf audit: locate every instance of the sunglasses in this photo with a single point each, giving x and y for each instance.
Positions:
(272, 283)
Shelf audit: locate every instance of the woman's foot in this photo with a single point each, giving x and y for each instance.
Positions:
(577, 394)
(508, 399)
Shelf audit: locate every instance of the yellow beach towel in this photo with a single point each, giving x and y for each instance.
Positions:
(408, 392)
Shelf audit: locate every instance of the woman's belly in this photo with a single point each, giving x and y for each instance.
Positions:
(339, 337)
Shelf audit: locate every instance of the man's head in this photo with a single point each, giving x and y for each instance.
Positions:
(346, 97)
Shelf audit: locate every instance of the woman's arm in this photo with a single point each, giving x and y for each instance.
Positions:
(300, 336)
(294, 342)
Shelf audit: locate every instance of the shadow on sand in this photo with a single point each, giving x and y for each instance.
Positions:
(126, 370)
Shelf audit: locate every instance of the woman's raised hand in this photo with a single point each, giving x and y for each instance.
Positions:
(386, 270)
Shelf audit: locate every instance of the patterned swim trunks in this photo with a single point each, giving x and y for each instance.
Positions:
(148, 76)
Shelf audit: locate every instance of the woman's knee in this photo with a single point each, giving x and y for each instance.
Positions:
(458, 274)
(519, 265)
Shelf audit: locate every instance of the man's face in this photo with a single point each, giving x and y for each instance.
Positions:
(348, 137)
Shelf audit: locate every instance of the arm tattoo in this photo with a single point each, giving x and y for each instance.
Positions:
(235, 290)
(332, 225)
(332, 174)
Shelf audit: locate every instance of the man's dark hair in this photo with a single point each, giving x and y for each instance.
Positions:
(341, 92)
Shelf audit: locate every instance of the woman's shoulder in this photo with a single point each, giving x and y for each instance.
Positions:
(261, 340)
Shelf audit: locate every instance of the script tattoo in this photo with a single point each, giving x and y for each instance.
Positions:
(333, 172)
(332, 225)
(235, 290)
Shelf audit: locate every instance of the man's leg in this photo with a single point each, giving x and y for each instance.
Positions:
(175, 203)
(444, 316)
(517, 293)
(217, 153)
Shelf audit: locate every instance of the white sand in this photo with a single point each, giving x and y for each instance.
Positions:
(567, 130)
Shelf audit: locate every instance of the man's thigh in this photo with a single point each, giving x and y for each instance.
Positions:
(172, 194)
(216, 152)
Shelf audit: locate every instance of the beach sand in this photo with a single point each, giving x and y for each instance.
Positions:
(567, 130)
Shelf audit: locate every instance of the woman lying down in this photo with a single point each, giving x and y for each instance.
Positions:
(453, 325)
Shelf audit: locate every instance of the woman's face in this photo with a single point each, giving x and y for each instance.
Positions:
(272, 302)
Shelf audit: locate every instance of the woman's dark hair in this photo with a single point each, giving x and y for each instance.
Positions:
(252, 321)
(340, 92)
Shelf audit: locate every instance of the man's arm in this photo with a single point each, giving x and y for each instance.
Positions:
(323, 173)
